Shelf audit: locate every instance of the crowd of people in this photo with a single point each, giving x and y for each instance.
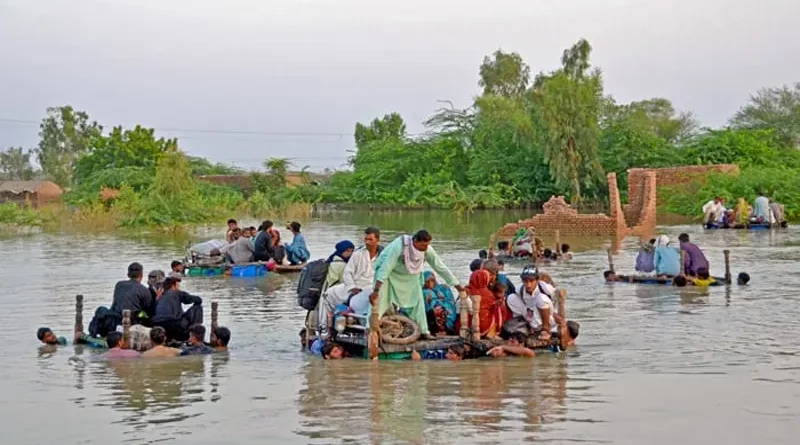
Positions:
(156, 310)
(659, 258)
(765, 211)
(526, 245)
(385, 279)
(249, 244)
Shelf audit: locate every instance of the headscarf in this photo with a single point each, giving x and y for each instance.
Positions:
(341, 247)
(662, 241)
(440, 296)
(479, 284)
(413, 258)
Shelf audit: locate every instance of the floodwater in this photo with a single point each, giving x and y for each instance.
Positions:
(654, 365)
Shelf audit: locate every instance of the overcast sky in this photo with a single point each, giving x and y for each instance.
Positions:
(320, 66)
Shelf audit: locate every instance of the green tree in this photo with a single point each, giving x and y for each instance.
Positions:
(566, 106)
(65, 134)
(391, 126)
(657, 116)
(123, 148)
(743, 147)
(504, 74)
(773, 108)
(202, 166)
(16, 165)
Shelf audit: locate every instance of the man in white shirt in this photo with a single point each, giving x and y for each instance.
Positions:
(713, 211)
(534, 303)
(357, 280)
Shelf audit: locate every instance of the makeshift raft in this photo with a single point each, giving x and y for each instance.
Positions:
(757, 226)
(646, 279)
(370, 345)
(245, 270)
(134, 340)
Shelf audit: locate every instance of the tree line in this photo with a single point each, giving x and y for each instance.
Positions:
(524, 138)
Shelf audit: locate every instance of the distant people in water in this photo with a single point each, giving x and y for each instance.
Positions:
(46, 336)
(196, 344)
(158, 338)
(703, 278)
(118, 348)
(743, 279)
(222, 336)
(565, 253)
(333, 351)
(177, 267)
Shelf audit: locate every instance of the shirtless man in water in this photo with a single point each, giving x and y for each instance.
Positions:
(159, 336)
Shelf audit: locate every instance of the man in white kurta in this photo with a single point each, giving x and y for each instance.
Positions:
(398, 276)
(356, 282)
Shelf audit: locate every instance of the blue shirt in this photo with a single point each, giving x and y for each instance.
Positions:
(316, 347)
(667, 261)
(201, 349)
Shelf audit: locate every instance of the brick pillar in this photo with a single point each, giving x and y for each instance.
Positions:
(615, 205)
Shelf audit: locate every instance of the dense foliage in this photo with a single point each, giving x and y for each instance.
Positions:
(523, 139)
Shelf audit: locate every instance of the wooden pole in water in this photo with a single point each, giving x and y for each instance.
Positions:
(562, 311)
(476, 322)
(78, 314)
(558, 242)
(610, 261)
(683, 262)
(214, 323)
(464, 314)
(374, 332)
(728, 278)
(126, 328)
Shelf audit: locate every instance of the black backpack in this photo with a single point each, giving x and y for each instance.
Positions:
(309, 286)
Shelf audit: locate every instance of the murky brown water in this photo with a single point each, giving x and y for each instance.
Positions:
(654, 365)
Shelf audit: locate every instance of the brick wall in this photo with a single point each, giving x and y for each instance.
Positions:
(637, 217)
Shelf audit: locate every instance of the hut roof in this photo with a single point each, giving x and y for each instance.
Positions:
(19, 187)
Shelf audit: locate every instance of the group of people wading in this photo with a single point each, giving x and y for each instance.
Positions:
(156, 311)
(384, 279)
(765, 211)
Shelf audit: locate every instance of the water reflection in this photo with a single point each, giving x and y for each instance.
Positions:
(408, 402)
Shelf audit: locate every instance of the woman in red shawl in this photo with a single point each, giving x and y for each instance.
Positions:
(491, 312)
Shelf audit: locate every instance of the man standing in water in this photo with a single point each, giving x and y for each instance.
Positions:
(398, 276)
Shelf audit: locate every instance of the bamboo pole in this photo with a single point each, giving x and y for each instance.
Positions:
(683, 262)
(126, 328)
(728, 278)
(464, 314)
(78, 314)
(558, 242)
(214, 323)
(562, 311)
(610, 261)
(476, 322)
(374, 331)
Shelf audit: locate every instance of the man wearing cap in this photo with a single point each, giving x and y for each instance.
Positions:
(169, 310)
(534, 303)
